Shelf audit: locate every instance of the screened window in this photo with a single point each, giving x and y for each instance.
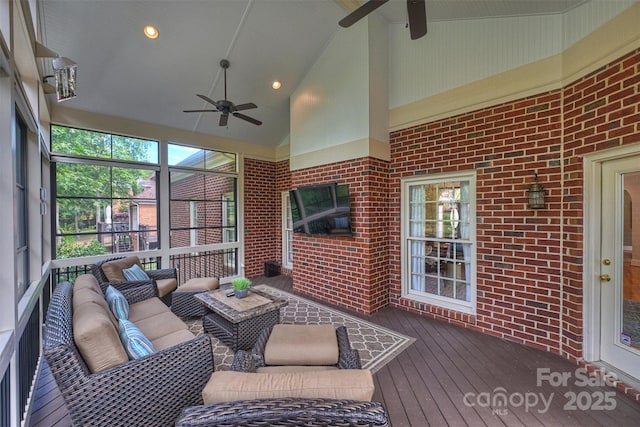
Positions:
(203, 194)
(439, 247)
(105, 193)
(22, 206)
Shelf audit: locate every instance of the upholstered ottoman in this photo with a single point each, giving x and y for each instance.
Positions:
(184, 304)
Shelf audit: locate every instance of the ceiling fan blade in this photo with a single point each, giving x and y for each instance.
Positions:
(247, 118)
(361, 12)
(247, 106)
(417, 18)
(209, 100)
(199, 111)
(223, 119)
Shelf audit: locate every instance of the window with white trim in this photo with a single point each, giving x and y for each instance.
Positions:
(438, 215)
(287, 232)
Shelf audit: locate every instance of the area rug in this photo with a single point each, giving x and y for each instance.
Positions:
(377, 345)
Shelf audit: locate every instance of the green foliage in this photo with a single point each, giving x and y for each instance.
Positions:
(240, 283)
(69, 247)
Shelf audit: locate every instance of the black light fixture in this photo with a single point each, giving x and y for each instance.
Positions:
(536, 195)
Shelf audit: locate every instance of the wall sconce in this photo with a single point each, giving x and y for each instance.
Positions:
(536, 195)
(64, 70)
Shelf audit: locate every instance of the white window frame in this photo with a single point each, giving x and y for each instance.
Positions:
(193, 223)
(468, 307)
(228, 235)
(287, 232)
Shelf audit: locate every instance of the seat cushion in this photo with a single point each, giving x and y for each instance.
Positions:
(96, 338)
(113, 269)
(172, 339)
(294, 368)
(302, 345)
(146, 308)
(166, 286)
(229, 386)
(200, 284)
(160, 325)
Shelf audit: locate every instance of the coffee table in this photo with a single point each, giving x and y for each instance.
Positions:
(239, 322)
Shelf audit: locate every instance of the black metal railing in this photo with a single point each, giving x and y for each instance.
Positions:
(28, 355)
(5, 399)
(216, 263)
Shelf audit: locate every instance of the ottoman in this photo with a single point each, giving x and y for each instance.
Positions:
(183, 303)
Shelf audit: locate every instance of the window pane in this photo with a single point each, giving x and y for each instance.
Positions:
(438, 245)
(82, 180)
(80, 142)
(180, 155)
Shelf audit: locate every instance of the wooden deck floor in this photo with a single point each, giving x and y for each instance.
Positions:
(452, 377)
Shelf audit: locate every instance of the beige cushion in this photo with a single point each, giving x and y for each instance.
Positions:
(292, 368)
(160, 325)
(166, 286)
(228, 386)
(96, 338)
(113, 269)
(302, 345)
(89, 296)
(87, 281)
(172, 339)
(200, 284)
(146, 308)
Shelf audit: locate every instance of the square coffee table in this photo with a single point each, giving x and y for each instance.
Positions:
(238, 322)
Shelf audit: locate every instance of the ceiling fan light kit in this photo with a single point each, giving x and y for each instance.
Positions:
(225, 106)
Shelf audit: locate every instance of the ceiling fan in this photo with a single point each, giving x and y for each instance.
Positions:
(416, 12)
(225, 106)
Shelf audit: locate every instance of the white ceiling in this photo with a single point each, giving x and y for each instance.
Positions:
(124, 74)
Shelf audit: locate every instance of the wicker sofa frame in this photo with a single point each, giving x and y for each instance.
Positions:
(163, 273)
(152, 390)
(286, 412)
(243, 361)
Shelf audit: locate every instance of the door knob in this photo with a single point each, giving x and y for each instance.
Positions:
(605, 277)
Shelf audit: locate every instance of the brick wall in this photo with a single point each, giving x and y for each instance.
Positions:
(261, 215)
(351, 272)
(601, 110)
(529, 262)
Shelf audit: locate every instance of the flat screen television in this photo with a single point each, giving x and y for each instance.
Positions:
(322, 209)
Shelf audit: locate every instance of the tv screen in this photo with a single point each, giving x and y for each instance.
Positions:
(321, 209)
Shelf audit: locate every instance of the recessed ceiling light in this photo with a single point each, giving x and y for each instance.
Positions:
(151, 32)
(276, 85)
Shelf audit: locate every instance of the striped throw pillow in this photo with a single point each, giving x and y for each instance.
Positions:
(117, 303)
(135, 273)
(134, 341)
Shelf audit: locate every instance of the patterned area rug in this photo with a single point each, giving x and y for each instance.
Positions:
(377, 345)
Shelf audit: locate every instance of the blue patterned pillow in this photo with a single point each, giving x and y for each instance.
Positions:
(134, 341)
(117, 303)
(135, 273)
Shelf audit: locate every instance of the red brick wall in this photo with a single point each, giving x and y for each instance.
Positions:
(601, 110)
(261, 215)
(529, 262)
(351, 272)
(518, 266)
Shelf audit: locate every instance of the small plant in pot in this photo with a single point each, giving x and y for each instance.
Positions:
(241, 286)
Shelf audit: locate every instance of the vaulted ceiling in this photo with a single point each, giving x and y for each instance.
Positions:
(122, 73)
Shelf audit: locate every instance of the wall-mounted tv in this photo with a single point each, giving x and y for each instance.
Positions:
(321, 209)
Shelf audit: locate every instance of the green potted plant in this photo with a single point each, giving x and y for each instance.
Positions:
(241, 286)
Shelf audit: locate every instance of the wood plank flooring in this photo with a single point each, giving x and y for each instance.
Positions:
(451, 376)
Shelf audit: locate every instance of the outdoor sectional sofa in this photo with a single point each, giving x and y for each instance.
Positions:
(99, 387)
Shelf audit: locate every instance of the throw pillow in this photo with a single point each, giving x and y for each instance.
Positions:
(117, 303)
(135, 273)
(134, 341)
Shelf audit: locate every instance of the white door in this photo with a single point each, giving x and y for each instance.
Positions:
(620, 265)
